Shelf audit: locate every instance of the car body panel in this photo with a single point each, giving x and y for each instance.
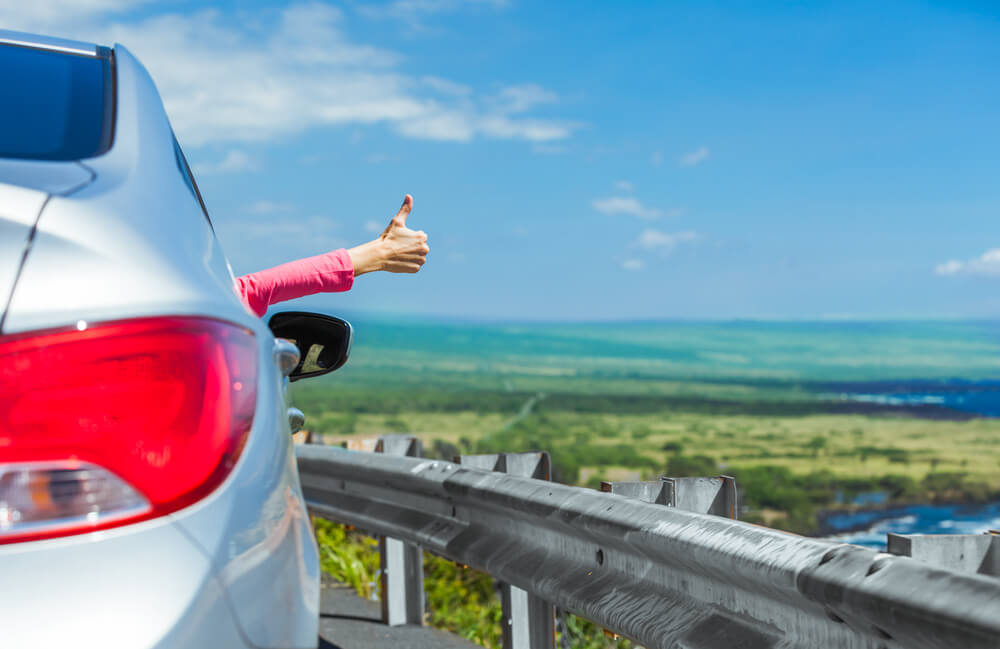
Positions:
(45, 176)
(19, 209)
(145, 585)
(134, 242)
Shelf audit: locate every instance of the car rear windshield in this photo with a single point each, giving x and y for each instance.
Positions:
(56, 106)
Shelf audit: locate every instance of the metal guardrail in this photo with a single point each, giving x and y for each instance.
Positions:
(659, 575)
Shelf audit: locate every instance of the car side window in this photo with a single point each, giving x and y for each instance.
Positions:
(185, 170)
(56, 105)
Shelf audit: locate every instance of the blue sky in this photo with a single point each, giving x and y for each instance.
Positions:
(592, 161)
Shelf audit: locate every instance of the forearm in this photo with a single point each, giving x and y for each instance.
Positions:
(327, 273)
(368, 257)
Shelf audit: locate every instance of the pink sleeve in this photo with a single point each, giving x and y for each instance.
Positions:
(328, 273)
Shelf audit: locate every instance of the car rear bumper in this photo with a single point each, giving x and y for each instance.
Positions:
(146, 585)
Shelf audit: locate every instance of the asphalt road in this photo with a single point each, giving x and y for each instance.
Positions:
(349, 622)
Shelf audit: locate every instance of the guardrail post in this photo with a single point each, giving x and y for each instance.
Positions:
(402, 579)
(716, 496)
(528, 621)
(976, 553)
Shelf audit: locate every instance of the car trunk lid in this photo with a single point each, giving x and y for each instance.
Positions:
(19, 209)
(49, 177)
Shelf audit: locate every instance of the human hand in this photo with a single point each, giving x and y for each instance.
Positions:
(397, 250)
(405, 249)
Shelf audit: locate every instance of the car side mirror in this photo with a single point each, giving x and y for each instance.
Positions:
(324, 342)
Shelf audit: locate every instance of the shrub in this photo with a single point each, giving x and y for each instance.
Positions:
(682, 466)
(442, 450)
(396, 425)
(565, 468)
(816, 444)
(605, 430)
(349, 557)
(337, 424)
(641, 432)
(899, 487)
(898, 455)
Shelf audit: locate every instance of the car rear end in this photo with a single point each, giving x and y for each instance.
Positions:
(148, 490)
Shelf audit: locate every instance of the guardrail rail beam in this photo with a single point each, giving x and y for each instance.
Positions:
(661, 576)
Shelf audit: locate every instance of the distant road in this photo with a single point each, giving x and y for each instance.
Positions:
(525, 411)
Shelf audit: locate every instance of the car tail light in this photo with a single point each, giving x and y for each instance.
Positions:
(119, 422)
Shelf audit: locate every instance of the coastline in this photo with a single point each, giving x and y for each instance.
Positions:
(851, 520)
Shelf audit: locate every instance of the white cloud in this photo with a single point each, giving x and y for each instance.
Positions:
(695, 157)
(656, 158)
(235, 161)
(626, 205)
(987, 263)
(446, 87)
(272, 73)
(498, 125)
(663, 242)
(624, 186)
(952, 267)
(633, 264)
(270, 207)
(50, 17)
(314, 229)
(519, 99)
(372, 226)
(410, 10)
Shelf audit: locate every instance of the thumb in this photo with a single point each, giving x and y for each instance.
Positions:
(404, 211)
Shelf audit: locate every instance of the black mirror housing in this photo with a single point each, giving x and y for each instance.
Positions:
(324, 341)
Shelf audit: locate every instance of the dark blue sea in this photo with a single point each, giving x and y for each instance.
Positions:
(976, 397)
(914, 519)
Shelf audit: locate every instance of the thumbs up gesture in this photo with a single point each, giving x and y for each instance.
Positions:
(397, 250)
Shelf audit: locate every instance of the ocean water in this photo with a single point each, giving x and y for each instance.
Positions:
(916, 519)
(977, 397)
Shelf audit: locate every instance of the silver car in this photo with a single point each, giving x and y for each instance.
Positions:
(148, 488)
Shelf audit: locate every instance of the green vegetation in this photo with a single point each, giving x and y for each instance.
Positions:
(636, 401)
(460, 600)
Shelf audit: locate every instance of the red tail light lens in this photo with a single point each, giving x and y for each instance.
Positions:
(119, 422)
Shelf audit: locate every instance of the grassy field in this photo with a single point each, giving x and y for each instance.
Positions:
(637, 401)
(845, 445)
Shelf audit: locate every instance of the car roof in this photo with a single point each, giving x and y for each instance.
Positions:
(23, 39)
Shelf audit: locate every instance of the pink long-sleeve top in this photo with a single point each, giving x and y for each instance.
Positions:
(331, 272)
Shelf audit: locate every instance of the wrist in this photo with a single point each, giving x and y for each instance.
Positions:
(367, 257)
